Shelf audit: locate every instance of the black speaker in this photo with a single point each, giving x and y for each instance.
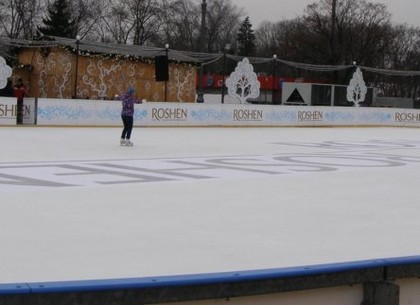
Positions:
(161, 68)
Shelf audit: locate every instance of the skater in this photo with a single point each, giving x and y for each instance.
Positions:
(20, 92)
(128, 101)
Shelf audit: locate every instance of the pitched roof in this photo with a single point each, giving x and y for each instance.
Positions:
(86, 47)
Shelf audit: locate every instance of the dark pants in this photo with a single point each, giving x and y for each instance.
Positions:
(128, 126)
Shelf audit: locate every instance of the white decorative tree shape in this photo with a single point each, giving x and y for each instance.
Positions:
(5, 72)
(243, 82)
(356, 91)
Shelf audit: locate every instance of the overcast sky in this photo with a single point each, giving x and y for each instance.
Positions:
(403, 11)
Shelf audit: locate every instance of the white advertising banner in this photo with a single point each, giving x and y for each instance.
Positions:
(108, 113)
(78, 112)
(8, 110)
(29, 111)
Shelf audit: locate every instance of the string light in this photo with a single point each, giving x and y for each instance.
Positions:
(147, 54)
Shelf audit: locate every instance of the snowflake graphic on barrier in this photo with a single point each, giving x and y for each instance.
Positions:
(5, 72)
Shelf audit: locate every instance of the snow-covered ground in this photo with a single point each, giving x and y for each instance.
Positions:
(75, 205)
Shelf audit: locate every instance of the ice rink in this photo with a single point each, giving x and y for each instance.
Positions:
(75, 205)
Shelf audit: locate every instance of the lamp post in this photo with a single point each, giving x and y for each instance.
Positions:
(333, 25)
(200, 95)
(226, 49)
(76, 75)
(274, 77)
(166, 81)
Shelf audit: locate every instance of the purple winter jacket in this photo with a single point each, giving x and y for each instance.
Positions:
(128, 101)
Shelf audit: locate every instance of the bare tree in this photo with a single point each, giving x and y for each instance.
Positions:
(11, 22)
(31, 15)
(146, 19)
(181, 26)
(403, 56)
(266, 38)
(361, 30)
(404, 48)
(274, 38)
(223, 22)
(133, 21)
(19, 18)
(116, 22)
(88, 14)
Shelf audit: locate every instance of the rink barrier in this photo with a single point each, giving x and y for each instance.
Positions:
(374, 275)
(62, 112)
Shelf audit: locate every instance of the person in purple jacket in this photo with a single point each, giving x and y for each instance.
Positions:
(128, 101)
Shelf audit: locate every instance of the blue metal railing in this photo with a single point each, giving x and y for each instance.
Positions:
(199, 279)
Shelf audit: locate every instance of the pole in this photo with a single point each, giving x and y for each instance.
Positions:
(333, 22)
(166, 82)
(274, 78)
(223, 81)
(76, 75)
(200, 95)
(333, 42)
(227, 47)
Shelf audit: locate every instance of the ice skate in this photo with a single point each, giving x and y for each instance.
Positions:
(123, 142)
(128, 143)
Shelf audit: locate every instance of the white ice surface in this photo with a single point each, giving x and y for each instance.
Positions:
(363, 205)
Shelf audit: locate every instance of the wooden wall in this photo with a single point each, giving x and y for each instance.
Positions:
(52, 72)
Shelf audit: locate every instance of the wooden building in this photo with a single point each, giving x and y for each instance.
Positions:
(67, 68)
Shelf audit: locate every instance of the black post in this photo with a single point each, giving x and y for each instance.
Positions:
(274, 78)
(76, 76)
(166, 82)
(227, 47)
(333, 40)
(200, 94)
(333, 26)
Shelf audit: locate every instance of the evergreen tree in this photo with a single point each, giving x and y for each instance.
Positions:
(59, 21)
(246, 39)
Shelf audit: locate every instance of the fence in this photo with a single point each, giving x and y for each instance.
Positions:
(274, 72)
(61, 112)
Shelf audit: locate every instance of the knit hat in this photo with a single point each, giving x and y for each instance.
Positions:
(130, 90)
